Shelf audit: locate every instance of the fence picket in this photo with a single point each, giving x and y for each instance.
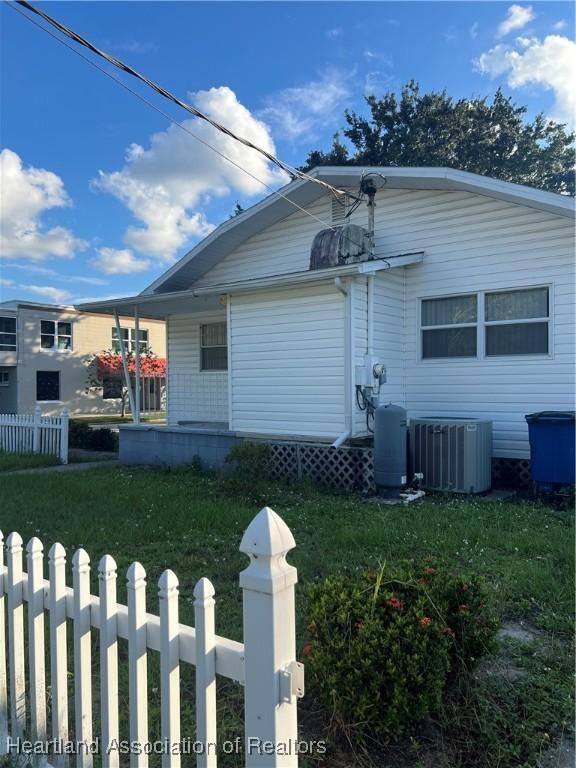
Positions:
(35, 562)
(169, 667)
(205, 673)
(137, 661)
(3, 683)
(23, 433)
(58, 646)
(264, 663)
(82, 656)
(16, 635)
(108, 661)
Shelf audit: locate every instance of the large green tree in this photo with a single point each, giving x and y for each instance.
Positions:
(432, 129)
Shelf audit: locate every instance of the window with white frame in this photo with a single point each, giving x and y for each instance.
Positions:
(516, 322)
(213, 347)
(129, 339)
(486, 324)
(449, 326)
(7, 334)
(55, 335)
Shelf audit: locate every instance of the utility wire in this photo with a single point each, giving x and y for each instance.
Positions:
(179, 124)
(294, 173)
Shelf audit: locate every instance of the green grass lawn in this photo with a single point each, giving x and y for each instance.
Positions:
(13, 461)
(189, 522)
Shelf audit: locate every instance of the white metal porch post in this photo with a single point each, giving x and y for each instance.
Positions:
(137, 366)
(124, 363)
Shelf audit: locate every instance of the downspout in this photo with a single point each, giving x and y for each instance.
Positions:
(124, 363)
(348, 361)
(370, 316)
(136, 418)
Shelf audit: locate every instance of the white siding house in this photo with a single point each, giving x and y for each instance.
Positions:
(467, 299)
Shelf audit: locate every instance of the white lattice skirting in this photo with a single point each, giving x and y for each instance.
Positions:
(352, 468)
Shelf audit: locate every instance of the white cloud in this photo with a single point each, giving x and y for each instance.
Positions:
(332, 34)
(450, 34)
(47, 272)
(165, 185)
(560, 25)
(119, 261)
(297, 113)
(378, 56)
(517, 18)
(473, 30)
(57, 295)
(6, 282)
(377, 83)
(26, 194)
(549, 63)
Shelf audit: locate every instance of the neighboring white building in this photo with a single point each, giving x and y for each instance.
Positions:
(467, 299)
(44, 351)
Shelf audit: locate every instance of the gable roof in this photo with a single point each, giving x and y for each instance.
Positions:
(277, 206)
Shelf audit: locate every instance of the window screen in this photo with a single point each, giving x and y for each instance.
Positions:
(7, 334)
(517, 322)
(449, 327)
(47, 385)
(213, 347)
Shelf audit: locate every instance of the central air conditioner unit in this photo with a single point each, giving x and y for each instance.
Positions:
(453, 454)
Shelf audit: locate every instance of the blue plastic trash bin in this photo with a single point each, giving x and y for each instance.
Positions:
(552, 438)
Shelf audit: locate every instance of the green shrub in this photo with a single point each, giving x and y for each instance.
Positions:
(382, 646)
(250, 460)
(102, 440)
(78, 433)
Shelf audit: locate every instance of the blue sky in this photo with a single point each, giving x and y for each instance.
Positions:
(100, 194)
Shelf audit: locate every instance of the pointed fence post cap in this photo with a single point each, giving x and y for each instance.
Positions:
(204, 589)
(14, 541)
(34, 546)
(267, 535)
(80, 558)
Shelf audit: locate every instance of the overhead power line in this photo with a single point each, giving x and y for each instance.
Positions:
(294, 173)
(172, 120)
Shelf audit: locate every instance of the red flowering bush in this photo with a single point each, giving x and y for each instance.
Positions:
(381, 646)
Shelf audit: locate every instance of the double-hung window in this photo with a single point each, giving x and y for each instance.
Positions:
(449, 326)
(7, 334)
(486, 324)
(516, 322)
(213, 347)
(55, 335)
(128, 336)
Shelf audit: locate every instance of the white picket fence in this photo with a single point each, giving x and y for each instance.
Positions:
(264, 664)
(34, 433)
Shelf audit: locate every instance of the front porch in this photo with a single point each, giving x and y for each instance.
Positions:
(177, 445)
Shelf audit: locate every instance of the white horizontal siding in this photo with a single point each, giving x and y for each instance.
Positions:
(283, 247)
(472, 244)
(193, 395)
(287, 361)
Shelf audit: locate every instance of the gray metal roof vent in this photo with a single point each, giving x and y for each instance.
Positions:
(345, 244)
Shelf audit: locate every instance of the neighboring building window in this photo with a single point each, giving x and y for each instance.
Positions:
(488, 324)
(47, 385)
(112, 388)
(213, 347)
(449, 327)
(7, 334)
(517, 322)
(55, 335)
(129, 339)
(4, 378)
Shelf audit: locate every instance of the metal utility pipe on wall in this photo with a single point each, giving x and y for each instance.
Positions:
(136, 418)
(124, 363)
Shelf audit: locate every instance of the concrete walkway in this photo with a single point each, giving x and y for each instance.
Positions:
(61, 468)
